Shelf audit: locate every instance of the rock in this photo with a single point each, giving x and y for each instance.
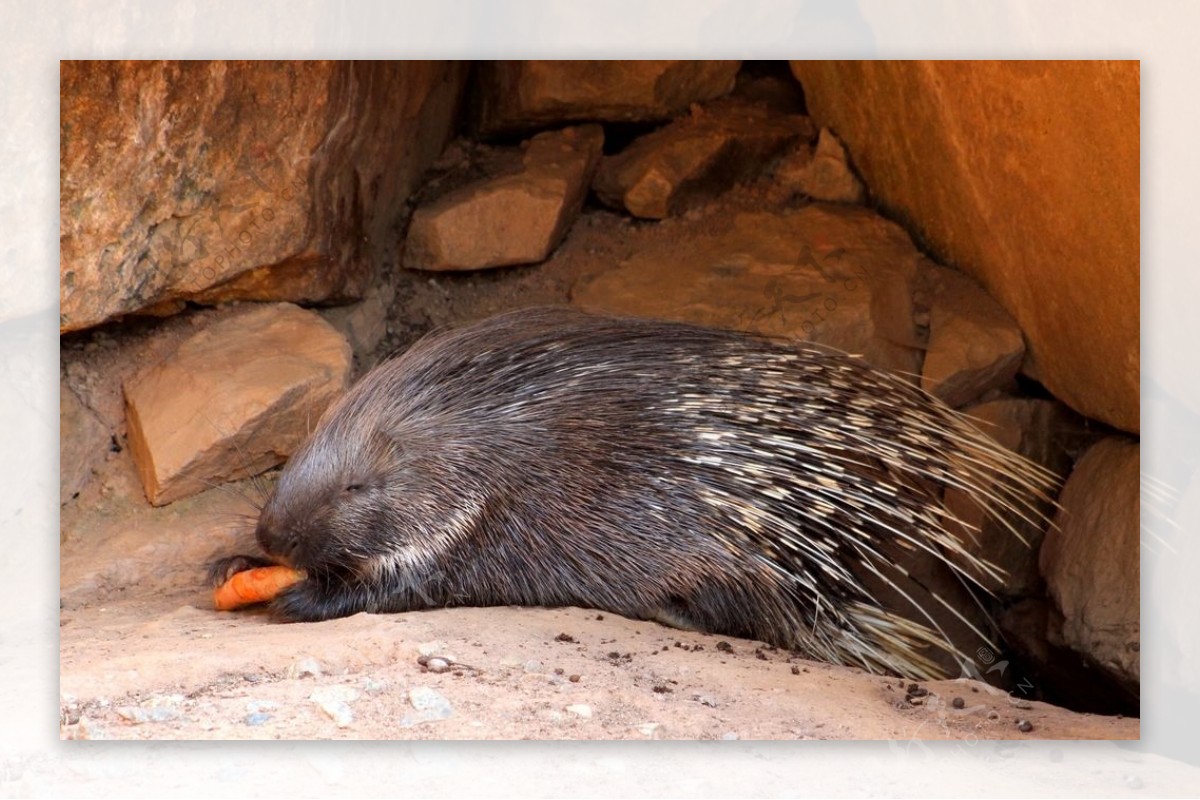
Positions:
(234, 400)
(364, 324)
(1037, 429)
(696, 157)
(839, 275)
(430, 706)
(338, 711)
(82, 444)
(336, 692)
(974, 345)
(219, 180)
(1090, 560)
(823, 174)
(580, 710)
(154, 709)
(523, 95)
(515, 218)
(1026, 175)
(304, 668)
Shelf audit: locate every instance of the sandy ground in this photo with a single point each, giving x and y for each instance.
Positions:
(165, 667)
(145, 656)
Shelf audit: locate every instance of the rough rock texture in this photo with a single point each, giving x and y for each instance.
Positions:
(521, 95)
(696, 156)
(839, 275)
(1035, 429)
(823, 173)
(1025, 175)
(516, 218)
(221, 180)
(974, 345)
(364, 324)
(1091, 562)
(235, 399)
(82, 443)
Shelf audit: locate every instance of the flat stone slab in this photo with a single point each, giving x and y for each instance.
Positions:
(524, 95)
(516, 218)
(974, 344)
(234, 400)
(697, 156)
(839, 275)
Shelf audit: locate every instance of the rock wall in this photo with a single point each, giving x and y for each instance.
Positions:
(1024, 174)
(218, 180)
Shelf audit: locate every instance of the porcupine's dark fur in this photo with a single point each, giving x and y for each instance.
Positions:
(706, 479)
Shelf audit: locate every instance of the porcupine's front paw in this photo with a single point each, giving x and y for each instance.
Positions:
(313, 600)
(222, 569)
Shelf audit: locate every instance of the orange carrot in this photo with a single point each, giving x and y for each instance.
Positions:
(253, 586)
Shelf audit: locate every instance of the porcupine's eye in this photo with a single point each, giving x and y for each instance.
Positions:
(353, 488)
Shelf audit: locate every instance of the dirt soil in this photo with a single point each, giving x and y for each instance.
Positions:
(145, 656)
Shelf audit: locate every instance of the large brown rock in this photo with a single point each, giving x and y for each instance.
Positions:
(974, 345)
(235, 399)
(1024, 174)
(1091, 559)
(522, 95)
(838, 275)
(697, 156)
(213, 181)
(514, 218)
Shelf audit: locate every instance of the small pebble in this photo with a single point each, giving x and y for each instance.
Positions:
(564, 637)
(795, 670)
(339, 712)
(662, 689)
(581, 710)
(428, 700)
(1024, 726)
(573, 678)
(373, 686)
(437, 665)
(257, 718)
(705, 700)
(958, 702)
(338, 693)
(304, 668)
(993, 714)
(137, 716)
(650, 729)
(725, 647)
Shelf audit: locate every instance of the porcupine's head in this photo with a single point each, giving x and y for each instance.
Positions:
(365, 495)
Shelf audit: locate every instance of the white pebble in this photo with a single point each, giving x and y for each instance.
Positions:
(339, 712)
(338, 693)
(581, 710)
(304, 668)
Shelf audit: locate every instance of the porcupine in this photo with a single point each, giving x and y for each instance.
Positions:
(707, 479)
